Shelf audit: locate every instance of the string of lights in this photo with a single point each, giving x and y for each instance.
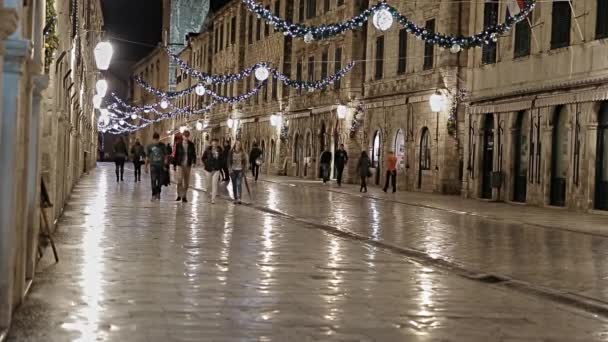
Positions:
(383, 16)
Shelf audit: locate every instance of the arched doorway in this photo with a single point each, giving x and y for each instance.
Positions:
(376, 156)
(520, 155)
(424, 162)
(488, 157)
(601, 173)
(559, 158)
(400, 149)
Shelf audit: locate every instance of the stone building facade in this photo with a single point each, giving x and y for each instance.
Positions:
(536, 125)
(47, 129)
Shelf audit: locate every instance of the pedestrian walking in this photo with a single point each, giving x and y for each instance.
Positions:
(255, 158)
(237, 164)
(138, 154)
(340, 161)
(120, 155)
(225, 156)
(213, 164)
(363, 170)
(325, 165)
(185, 158)
(391, 171)
(156, 164)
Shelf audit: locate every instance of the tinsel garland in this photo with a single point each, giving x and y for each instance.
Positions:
(325, 31)
(153, 108)
(209, 79)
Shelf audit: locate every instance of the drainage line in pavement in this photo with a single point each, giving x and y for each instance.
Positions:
(565, 298)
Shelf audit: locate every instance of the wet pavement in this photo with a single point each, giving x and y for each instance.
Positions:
(481, 237)
(135, 270)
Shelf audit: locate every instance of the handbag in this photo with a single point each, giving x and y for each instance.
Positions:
(258, 162)
(369, 172)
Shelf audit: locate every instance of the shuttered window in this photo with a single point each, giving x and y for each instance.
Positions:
(561, 21)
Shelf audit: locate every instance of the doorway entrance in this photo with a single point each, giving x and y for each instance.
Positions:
(488, 157)
(520, 137)
(559, 158)
(601, 173)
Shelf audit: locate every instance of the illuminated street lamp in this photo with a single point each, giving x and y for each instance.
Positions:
(97, 101)
(103, 55)
(102, 87)
(342, 111)
(230, 123)
(437, 102)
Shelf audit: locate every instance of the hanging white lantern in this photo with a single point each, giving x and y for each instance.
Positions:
(437, 102)
(134, 116)
(262, 73)
(308, 38)
(102, 87)
(200, 89)
(342, 111)
(97, 101)
(273, 120)
(121, 122)
(164, 104)
(383, 19)
(103, 55)
(455, 48)
(230, 123)
(199, 126)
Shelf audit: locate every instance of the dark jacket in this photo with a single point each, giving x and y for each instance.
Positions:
(326, 157)
(256, 153)
(213, 161)
(120, 150)
(180, 154)
(138, 153)
(341, 158)
(363, 166)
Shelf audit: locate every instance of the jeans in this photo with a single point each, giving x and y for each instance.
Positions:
(237, 183)
(392, 177)
(120, 167)
(340, 171)
(183, 182)
(137, 166)
(156, 172)
(255, 171)
(213, 178)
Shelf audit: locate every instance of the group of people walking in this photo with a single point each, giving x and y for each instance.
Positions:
(227, 163)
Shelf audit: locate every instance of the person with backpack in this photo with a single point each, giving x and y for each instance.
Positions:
(255, 158)
(139, 155)
(120, 155)
(156, 164)
(185, 157)
(213, 163)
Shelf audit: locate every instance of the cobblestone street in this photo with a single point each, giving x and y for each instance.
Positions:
(135, 270)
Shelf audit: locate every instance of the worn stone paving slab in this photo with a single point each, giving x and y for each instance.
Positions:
(135, 270)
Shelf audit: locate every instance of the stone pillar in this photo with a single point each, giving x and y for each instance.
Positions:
(15, 52)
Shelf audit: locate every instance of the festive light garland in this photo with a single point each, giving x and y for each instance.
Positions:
(383, 15)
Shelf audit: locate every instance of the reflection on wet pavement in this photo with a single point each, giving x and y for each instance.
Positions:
(135, 270)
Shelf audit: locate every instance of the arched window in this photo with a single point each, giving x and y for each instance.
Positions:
(425, 150)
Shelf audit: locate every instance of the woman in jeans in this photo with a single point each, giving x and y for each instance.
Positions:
(363, 170)
(237, 164)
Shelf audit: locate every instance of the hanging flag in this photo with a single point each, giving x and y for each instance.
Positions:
(515, 6)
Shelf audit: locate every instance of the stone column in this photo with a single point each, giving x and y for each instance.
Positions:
(15, 52)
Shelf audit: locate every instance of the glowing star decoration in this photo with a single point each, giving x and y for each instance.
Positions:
(164, 104)
(383, 19)
(199, 126)
(262, 73)
(97, 101)
(134, 116)
(200, 90)
(455, 48)
(437, 102)
(342, 111)
(103, 55)
(102, 87)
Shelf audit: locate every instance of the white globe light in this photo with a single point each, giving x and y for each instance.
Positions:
(200, 90)
(103, 55)
(437, 102)
(279, 120)
(134, 116)
(164, 104)
(182, 129)
(168, 132)
(115, 126)
(102, 87)
(97, 101)
(455, 48)
(383, 19)
(342, 111)
(230, 123)
(121, 122)
(273, 120)
(199, 126)
(262, 73)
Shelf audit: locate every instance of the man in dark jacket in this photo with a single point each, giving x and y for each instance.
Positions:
(340, 161)
(255, 158)
(213, 163)
(156, 161)
(185, 157)
(138, 154)
(325, 165)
